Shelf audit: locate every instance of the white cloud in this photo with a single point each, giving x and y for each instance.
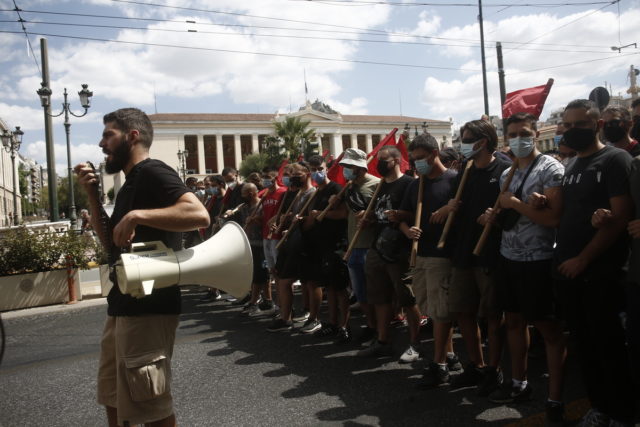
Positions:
(80, 153)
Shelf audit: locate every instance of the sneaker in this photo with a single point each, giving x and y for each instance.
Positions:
(327, 330)
(242, 301)
(471, 376)
(251, 310)
(509, 393)
(595, 418)
(267, 307)
(409, 355)
(397, 321)
(366, 334)
(377, 349)
(310, 326)
(434, 376)
(424, 320)
(279, 325)
(453, 363)
(554, 414)
(491, 382)
(300, 317)
(343, 336)
(355, 306)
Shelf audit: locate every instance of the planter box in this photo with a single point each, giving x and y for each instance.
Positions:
(35, 289)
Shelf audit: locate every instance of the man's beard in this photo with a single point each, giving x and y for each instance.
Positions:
(119, 158)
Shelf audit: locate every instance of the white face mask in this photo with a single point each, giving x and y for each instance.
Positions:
(467, 150)
(521, 146)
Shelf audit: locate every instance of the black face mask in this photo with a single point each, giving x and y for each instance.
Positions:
(579, 139)
(295, 181)
(614, 132)
(383, 168)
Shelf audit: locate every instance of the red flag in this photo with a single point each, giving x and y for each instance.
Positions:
(325, 153)
(404, 162)
(530, 100)
(372, 161)
(335, 171)
(284, 163)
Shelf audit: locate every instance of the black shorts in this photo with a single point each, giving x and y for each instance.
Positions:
(325, 268)
(289, 261)
(260, 273)
(527, 287)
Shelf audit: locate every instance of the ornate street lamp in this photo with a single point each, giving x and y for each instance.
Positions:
(11, 142)
(85, 100)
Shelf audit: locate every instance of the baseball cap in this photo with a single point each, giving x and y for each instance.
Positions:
(354, 157)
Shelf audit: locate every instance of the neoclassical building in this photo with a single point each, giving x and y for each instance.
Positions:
(214, 141)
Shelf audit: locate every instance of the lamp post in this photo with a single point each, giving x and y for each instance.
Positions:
(619, 48)
(85, 100)
(11, 142)
(182, 163)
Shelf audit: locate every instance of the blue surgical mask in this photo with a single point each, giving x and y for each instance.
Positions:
(211, 191)
(319, 176)
(348, 174)
(521, 146)
(422, 167)
(266, 183)
(556, 140)
(200, 193)
(286, 181)
(467, 150)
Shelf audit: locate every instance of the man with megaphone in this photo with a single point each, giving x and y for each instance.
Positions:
(153, 205)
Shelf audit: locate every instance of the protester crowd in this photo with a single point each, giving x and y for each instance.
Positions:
(508, 238)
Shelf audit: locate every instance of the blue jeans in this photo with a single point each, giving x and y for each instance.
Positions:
(356, 273)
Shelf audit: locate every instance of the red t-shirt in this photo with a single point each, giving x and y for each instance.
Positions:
(270, 205)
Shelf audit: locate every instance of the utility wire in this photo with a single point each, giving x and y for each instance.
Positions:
(575, 63)
(474, 5)
(122, 27)
(24, 29)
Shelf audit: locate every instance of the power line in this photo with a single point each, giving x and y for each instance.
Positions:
(286, 36)
(24, 29)
(574, 63)
(398, 3)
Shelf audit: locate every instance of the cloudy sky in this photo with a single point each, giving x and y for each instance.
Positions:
(414, 57)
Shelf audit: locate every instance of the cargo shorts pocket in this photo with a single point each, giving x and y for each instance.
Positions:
(147, 375)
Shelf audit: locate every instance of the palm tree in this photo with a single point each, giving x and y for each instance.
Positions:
(294, 135)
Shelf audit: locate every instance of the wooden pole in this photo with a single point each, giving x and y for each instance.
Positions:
(414, 244)
(322, 214)
(278, 224)
(452, 214)
(361, 226)
(293, 225)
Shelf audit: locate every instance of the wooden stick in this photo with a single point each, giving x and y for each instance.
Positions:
(322, 214)
(452, 214)
(233, 211)
(255, 210)
(414, 244)
(361, 226)
(278, 223)
(487, 227)
(293, 225)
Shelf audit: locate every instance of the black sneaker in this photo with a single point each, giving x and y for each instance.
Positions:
(434, 376)
(470, 377)
(366, 334)
(311, 326)
(300, 317)
(280, 325)
(242, 301)
(595, 418)
(327, 330)
(491, 382)
(343, 336)
(266, 304)
(509, 393)
(554, 414)
(453, 363)
(377, 349)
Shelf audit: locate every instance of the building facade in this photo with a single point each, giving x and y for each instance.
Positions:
(7, 179)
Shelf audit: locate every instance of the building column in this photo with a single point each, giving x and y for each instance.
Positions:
(369, 142)
(354, 140)
(201, 166)
(219, 155)
(336, 144)
(237, 150)
(255, 145)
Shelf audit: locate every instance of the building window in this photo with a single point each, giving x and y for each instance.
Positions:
(362, 142)
(245, 145)
(346, 142)
(191, 145)
(228, 150)
(210, 156)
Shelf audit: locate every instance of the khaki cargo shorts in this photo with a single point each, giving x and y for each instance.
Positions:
(431, 278)
(135, 367)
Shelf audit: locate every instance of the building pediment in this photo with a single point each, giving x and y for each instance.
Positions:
(313, 116)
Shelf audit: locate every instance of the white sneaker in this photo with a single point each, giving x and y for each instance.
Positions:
(254, 311)
(410, 355)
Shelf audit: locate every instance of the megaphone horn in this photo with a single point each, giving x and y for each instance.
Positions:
(224, 262)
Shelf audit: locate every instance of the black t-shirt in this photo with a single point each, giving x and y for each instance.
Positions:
(436, 193)
(151, 184)
(325, 234)
(389, 198)
(588, 184)
(479, 193)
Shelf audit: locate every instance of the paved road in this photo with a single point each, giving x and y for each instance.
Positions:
(229, 371)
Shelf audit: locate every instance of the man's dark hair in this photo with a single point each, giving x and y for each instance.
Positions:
(217, 180)
(227, 170)
(269, 169)
(424, 142)
(635, 103)
(393, 151)
(592, 109)
(128, 119)
(449, 155)
(316, 160)
(190, 179)
(482, 129)
(523, 117)
(624, 113)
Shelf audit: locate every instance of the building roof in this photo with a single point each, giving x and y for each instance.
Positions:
(240, 117)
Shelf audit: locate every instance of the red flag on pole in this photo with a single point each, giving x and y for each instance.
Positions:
(530, 100)
(284, 163)
(389, 140)
(335, 171)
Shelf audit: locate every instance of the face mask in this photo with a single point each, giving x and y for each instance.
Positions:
(422, 167)
(348, 174)
(212, 191)
(613, 132)
(200, 193)
(192, 188)
(232, 185)
(579, 139)
(267, 183)
(296, 181)
(383, 167)
(319, 177)
(556, 140)
(521, 146)
(286, 181)
(467, 150)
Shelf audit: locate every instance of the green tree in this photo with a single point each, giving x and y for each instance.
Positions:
(81, 199)
(294, 134)
(254, 163)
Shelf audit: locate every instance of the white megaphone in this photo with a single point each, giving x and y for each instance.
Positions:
(224, 262)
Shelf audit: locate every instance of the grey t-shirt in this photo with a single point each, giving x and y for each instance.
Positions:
(528, 241)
